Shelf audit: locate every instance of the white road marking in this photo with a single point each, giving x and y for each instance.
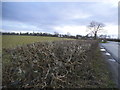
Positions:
(102, 50)
(108, 54)
(113, 60)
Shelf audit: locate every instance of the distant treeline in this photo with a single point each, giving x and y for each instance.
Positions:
(116, 40)
(57, 35)
(44, 34)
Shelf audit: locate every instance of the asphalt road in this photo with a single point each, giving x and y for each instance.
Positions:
(112, 52)
(112, 48)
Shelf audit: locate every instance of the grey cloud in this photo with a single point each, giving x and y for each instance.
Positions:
(47, 15)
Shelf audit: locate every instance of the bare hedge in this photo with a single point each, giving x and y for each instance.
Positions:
(58, 64)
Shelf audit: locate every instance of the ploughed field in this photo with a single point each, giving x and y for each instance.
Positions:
(55, 64)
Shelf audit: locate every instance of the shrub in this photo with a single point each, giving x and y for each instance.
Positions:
(59, 64)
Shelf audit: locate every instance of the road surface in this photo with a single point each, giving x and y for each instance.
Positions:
(112, 48)
(112, 52)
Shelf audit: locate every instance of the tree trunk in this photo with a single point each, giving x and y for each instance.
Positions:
(95, 36)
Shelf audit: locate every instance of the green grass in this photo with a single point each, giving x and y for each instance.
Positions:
(101, 70)
(11, 41)
(104, 41)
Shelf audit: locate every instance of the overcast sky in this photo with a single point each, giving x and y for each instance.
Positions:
(62, 17)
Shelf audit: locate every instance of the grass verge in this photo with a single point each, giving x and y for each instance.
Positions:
(101, 70)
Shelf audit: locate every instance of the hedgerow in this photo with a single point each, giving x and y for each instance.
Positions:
(58, 64)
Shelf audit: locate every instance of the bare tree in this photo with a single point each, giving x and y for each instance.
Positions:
(95, 27)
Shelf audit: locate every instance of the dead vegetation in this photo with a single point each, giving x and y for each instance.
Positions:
(59, 64)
